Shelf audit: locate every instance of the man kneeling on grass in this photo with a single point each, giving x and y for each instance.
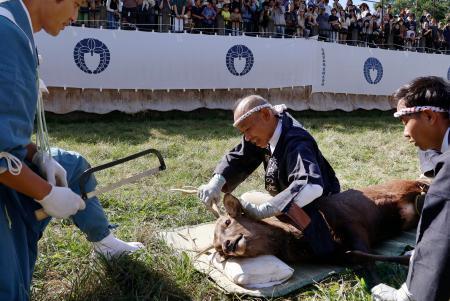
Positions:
(296, 171)
(423, 107)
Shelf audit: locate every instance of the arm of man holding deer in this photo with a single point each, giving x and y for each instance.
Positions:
(302, 172)
(231, 171)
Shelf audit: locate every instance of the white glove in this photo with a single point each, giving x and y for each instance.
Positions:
(210, 192)
(383, 292)
(259, 211)
(50, 169)
(62, 202)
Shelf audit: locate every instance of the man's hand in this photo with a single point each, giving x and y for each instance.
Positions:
(62, 202)
(54, 173)
(383, 292)
(259, 211)
(210, 192)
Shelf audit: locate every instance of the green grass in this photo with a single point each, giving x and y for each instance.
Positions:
(364, 148)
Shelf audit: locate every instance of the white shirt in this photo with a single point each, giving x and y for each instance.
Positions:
(444, 146)
(275, 137)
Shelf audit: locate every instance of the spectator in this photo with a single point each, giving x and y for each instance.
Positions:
(311, 24)
(247, 15)
(188, 16)
(209, 17)
(324, 25)
(236, 21)
(335, 26)
(364, 9)
(226, 18)
(112, 13)
(327, 6)
(344, 22)
(165, 9)
(337, 5)
(265, 21)
(427, 37)
(398, 33)
(411, 23)
(129, 10)
(179, 7)
(83, 14)
(434, 33)
(291, 20)
(446, 34)
(234, 4)
(301, 25)
(353, 27)
(94, 13)
(256, 10)
(278, 19)
(196, 15)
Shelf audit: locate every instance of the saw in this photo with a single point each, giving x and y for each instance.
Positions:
(41, 214)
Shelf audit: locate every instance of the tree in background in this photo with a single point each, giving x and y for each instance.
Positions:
(440, 9)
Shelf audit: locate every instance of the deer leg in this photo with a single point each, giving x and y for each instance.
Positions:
(358, 240)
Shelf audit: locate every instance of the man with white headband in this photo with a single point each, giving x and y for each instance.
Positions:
(296, 172)
(33, 176)
(423, 107)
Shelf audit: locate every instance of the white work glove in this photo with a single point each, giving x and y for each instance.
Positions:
(383, 292)
(210, 193)
(62, 202)
(259, 211)
(54, 173)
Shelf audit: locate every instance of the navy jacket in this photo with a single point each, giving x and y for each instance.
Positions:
(295, 162)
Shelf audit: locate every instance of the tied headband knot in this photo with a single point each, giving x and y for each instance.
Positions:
(411, 110)
(277, 108)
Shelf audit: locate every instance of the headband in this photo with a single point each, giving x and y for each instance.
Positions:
(411, 110)
(277, 108)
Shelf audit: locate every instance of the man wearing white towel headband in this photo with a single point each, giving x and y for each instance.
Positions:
(423, 107)
(35, 176)
(295, 169)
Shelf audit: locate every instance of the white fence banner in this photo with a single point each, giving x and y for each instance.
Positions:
(116, 59)
(373, 71)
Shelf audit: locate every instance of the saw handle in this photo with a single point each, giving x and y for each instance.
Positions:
(88, 172)
(40, 214)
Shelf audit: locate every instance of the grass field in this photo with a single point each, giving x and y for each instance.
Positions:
(363, 147)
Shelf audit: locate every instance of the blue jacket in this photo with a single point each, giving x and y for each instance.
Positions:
(18, 82)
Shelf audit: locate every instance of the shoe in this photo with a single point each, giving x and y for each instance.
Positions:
(111, 246)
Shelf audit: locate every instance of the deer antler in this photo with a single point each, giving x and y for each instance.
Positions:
(193, 190)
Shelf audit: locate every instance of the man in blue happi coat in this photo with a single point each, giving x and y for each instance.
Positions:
(296, 172)
(34, 177)
(424, 107)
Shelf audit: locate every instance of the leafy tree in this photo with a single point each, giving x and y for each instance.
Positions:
(440, 9)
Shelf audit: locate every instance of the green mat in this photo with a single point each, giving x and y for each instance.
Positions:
(193, 238)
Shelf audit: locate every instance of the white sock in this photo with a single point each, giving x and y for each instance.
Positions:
(111, 246)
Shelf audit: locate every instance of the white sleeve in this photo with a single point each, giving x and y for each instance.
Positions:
(108, 6)
(309, 193)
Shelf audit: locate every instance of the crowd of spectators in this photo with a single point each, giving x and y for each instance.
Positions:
(352, 24)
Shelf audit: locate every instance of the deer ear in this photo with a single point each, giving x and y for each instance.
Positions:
(232, 205)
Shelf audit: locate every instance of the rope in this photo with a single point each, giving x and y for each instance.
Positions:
(42, 141)
(14, 164)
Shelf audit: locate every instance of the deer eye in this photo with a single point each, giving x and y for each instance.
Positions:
(227, 222)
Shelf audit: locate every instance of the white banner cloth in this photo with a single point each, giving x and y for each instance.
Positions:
(116, 59)
(145, 60)
(373, 71)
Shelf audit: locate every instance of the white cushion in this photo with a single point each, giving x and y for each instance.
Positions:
(257, 272)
